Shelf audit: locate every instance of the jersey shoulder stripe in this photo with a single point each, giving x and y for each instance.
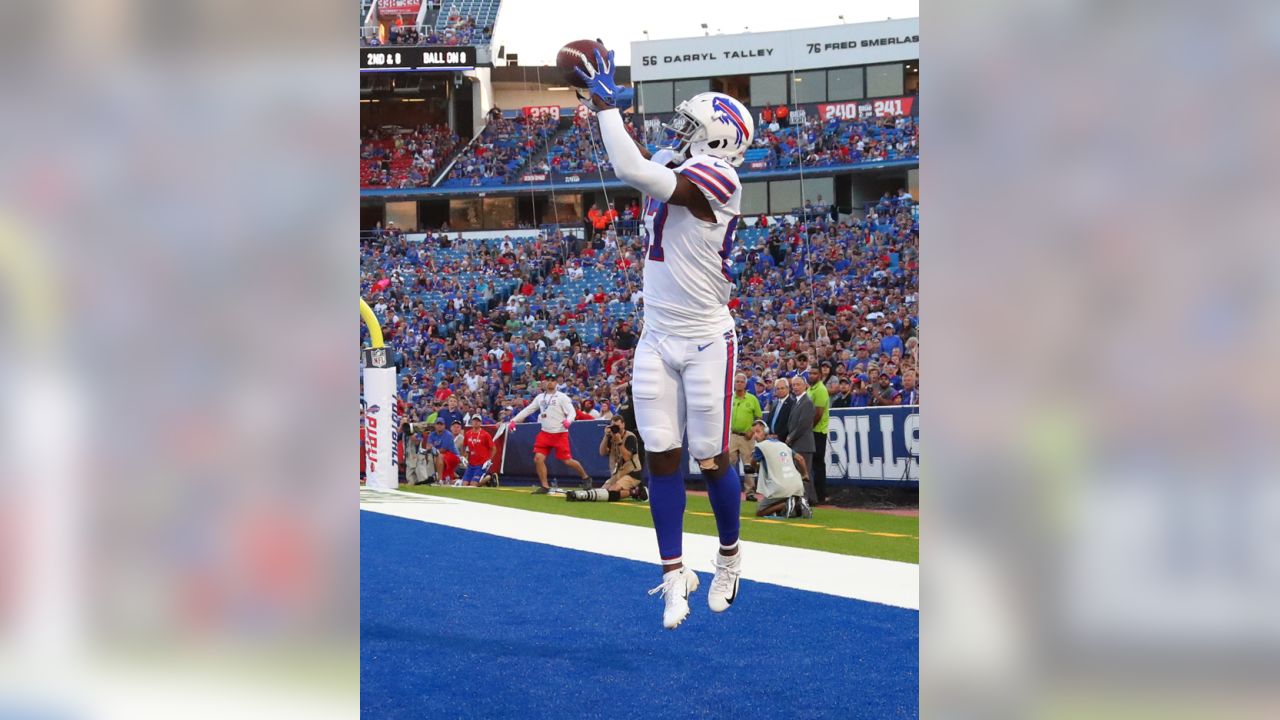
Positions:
(725, 182)
(704, 181)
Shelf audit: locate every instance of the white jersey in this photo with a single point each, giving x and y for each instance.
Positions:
(686, 270)
(553, 409)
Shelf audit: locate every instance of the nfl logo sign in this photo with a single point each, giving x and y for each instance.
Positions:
(379, 357)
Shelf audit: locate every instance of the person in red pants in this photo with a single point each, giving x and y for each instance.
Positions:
(555, 415)
(447, 459)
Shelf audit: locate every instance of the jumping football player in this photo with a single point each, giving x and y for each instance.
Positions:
(682, 377)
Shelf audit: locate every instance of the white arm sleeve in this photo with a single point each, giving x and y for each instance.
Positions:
(648, 177)
(665, 156)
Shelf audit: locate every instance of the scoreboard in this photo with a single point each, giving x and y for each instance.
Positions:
(393, 58)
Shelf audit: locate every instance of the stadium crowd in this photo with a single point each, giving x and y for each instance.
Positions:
(503, 148)
(838, 141)
(394, 157)
(457, 29)
(476, 323)
(460, 29)
(578, 148)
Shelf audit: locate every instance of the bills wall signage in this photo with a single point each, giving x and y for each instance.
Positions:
(752, 53)
(865, 446)
(584, 443)
(862, 109)
(869, 447)
(874, 446)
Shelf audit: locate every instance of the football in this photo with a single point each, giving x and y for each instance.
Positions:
(578, 54)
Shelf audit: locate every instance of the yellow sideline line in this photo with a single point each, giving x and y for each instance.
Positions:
(767, 521)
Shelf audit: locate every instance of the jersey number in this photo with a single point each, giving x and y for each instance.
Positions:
(726, 247)
(654, 245)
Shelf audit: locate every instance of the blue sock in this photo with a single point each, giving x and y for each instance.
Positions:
(725, 495)
(666, 504)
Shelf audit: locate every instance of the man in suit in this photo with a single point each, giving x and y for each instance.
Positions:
(799, 435)
(780, 409)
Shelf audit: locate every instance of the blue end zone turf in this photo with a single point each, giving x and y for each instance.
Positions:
(457, 624)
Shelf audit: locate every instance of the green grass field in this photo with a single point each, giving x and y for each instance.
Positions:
(850, 532)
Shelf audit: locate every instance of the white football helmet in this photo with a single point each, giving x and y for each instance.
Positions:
(711, 123)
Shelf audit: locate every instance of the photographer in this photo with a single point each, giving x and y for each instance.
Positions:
(778, 476)
(419, 455)
(623, 450)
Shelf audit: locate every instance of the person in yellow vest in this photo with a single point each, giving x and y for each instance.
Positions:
(746, 410)
(821, 398)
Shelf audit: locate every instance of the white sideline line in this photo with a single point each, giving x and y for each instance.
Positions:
(880, 581)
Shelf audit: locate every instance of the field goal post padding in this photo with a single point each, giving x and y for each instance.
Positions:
(381, 424)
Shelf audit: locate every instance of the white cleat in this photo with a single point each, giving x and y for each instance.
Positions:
(675, 588)
(724, 586)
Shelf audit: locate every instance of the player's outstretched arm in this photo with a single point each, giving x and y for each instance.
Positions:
(648, 177)
(644, 151)
(632, 167)
(629, 164)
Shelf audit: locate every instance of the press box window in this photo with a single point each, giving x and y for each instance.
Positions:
(769, 89)
(685, 89)
(655, 97)
(844, 84)
(810, 86)
(884, 80)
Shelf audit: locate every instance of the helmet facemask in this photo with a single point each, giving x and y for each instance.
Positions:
(682, 131)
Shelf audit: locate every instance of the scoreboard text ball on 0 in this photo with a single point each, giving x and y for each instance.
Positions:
(386, 58)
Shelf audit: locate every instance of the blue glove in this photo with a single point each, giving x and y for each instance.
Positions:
(601, 83)
(624, 97)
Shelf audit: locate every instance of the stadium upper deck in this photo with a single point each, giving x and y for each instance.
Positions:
(427, 22)
(836, 111)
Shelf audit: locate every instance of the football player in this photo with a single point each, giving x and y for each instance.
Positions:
(682, 377)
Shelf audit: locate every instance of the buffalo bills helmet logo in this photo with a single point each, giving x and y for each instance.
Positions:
(373, 409)
(729, 115)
